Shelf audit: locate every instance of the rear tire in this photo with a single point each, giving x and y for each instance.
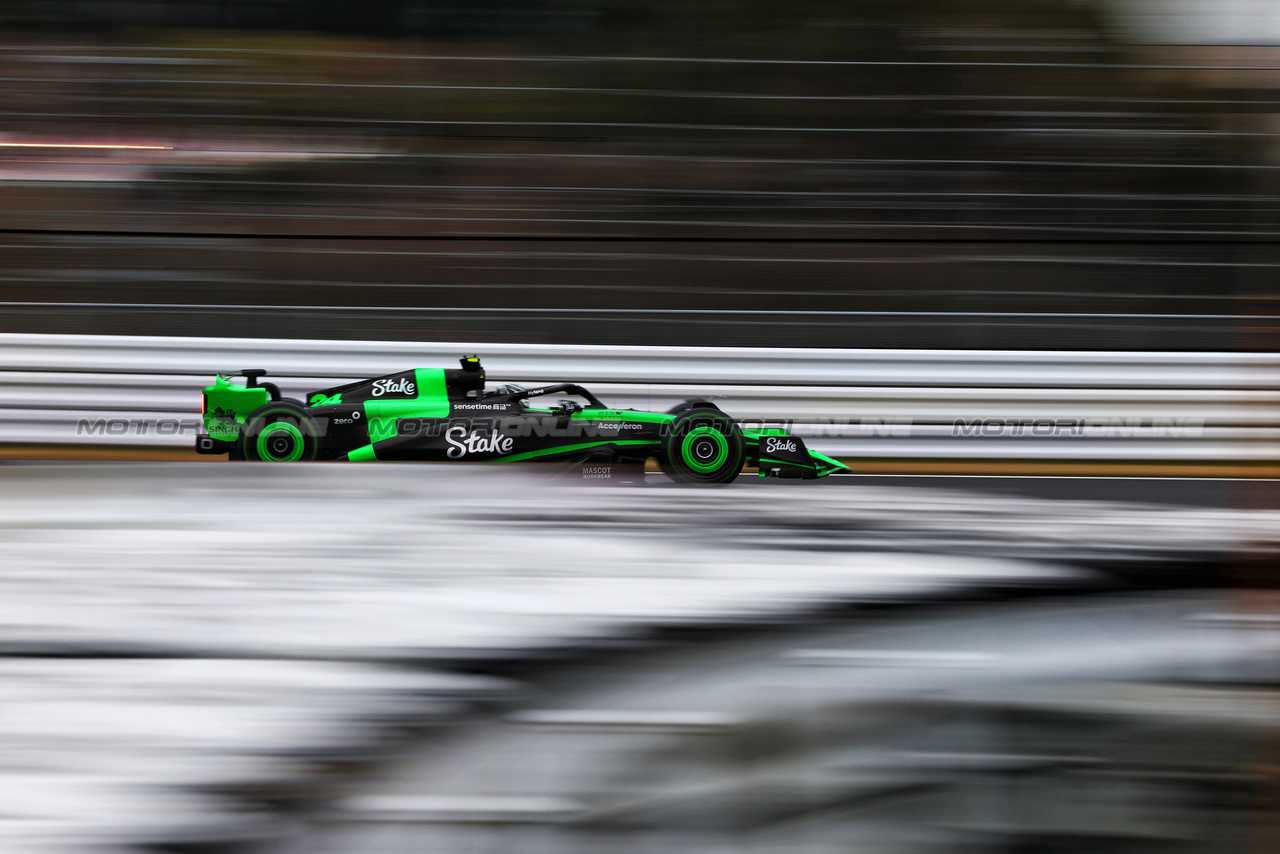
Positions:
(704, 447)
(280, 432)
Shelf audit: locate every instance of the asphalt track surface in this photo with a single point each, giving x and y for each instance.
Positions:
(971, 728)
(225, 640)
(1189, 491)
(1217, 492)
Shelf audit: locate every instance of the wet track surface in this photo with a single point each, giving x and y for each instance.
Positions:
(258, 658)
(1241, 493)
(897, 732)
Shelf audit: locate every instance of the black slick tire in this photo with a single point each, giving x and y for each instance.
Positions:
(704, 447)
(280, 432)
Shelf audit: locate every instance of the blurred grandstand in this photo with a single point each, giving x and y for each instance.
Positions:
(917, 174)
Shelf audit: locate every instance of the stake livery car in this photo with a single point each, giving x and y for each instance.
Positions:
(442, 415)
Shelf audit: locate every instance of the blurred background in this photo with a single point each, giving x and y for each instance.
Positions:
(882, 221)
(976, 174)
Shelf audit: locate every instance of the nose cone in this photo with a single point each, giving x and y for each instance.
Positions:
(825, 465)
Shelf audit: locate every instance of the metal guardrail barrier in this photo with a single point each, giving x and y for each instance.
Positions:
(913, 404)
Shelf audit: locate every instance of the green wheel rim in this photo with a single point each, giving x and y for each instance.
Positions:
(280, 442)
(704, 449)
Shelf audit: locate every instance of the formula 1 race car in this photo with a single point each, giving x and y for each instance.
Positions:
(436, 414)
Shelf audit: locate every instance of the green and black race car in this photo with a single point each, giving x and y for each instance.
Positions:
(438, 414)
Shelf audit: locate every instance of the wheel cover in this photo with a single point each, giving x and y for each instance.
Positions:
(704, 449)
(280, 442)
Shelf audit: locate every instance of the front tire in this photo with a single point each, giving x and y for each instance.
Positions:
(704, 447)
(280, 432)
